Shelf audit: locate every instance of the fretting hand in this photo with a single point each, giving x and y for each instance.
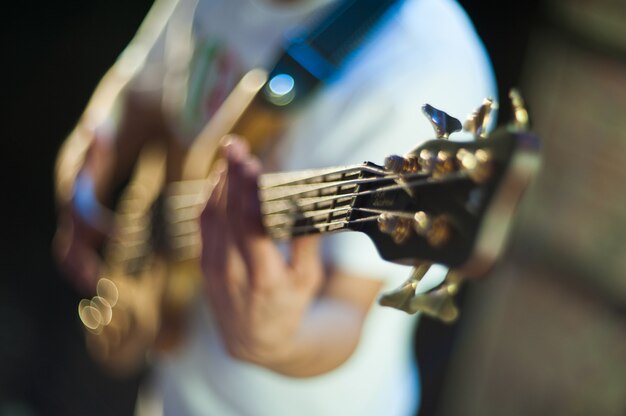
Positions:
(259, 300)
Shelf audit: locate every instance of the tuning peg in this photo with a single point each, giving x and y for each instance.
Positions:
(398, 164)
(443, 123)
(444, 164)
(399, 228)
(436, 230)
(520, 115)
(479, 120)
(439, 303)
(401, 297)
(478, 164)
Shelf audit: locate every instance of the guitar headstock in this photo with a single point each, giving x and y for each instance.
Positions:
(447, 202)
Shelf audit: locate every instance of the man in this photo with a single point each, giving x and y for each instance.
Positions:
(268, 335)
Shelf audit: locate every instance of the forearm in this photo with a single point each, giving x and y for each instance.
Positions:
(327, 337)
(331, 329)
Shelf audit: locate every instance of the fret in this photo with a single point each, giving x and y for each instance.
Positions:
(323, 201)
(184, 201)
(184, 214)
(277, 206)
(279, 219)
(186, 242)
(183, 228)
(271, 180)
(303, 190)
(310, 201)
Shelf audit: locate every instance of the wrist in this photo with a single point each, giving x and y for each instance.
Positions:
(326, 338)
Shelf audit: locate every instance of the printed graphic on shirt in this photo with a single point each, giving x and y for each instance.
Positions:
(213, 73)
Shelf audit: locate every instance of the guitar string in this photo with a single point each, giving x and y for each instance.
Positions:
(328, 185)
(303, 215)
(319, 173)
(319, 227)
(280, 179)
(190, 240)
(286, 230)
(314, 200)
(313, 214)
(179, 208)
(303, 182)
(411, 184)
(305, 201)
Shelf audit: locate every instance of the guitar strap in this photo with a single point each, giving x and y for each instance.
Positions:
(312, 56)
(317, 54)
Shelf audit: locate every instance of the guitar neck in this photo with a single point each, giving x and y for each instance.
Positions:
(316, 201)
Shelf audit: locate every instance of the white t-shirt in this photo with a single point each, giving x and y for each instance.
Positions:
(426, 52)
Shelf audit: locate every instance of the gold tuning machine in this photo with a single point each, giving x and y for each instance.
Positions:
(399, 164)
(399, 228)
(520, 114)
(401, 297)
(436, 230)
(438, 303)
(477, 164)
(478, 122)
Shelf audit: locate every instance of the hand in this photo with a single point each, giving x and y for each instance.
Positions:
(123, 322)
(74, 248)
(83, 222)
(258, 299)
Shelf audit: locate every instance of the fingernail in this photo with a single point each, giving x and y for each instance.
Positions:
(236, 148)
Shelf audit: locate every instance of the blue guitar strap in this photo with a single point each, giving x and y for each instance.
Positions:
(316, 54)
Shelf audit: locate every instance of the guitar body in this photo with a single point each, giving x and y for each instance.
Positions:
(156, 238)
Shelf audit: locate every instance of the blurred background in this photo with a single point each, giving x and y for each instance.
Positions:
(545, 334)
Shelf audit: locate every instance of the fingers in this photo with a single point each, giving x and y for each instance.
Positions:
(216, 244)
(258, 252)
(243, 200)
(305, 251)
(76, 258)
(212, 227)
(306, 260)
(221, 264)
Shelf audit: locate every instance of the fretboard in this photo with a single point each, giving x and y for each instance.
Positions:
(312, 201)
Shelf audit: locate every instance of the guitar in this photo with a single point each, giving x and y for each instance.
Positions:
(444, 202)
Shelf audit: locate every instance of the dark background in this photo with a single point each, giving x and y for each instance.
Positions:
(54, 53)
